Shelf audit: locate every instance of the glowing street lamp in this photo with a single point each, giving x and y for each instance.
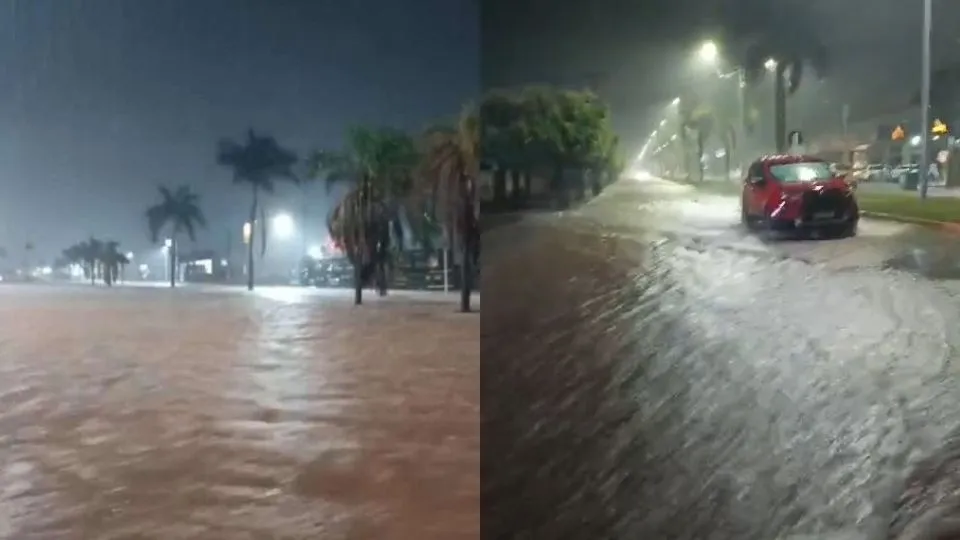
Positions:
(247, 231)
(709, 53)
(283, 226)
(676, 101)
(770, 64)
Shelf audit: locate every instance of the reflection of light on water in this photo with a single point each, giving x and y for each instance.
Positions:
(283, 294)
(282, 379)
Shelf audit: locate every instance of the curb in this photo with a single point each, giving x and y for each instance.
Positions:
(948, 227)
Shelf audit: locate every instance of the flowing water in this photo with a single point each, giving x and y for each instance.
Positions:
(139, 413)
(662, 374)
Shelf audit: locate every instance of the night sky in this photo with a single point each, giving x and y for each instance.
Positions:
(637, 53)
(102, 100)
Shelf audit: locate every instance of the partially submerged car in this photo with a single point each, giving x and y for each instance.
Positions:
(798, 193)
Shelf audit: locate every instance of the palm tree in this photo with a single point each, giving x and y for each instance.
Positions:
(111, 260)
(787, 52)
(257, 162)
(178, 212)
(89, 252)
(452, 163)
(360, 225)
(379, 164)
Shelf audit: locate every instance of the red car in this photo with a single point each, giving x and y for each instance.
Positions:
(798, 193)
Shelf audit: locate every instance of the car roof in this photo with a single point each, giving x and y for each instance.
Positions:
(786, 159)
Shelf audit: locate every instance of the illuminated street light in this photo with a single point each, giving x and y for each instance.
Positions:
(247, 230)
(676, 101)
(709, 52)
(129, 255)
(283, 225)
(770, 64)
(663, 122)
(168, 242)
(916, 140)
(315, 252)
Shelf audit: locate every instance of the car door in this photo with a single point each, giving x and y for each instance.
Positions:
(755, 190)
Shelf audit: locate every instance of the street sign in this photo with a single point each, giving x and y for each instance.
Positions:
(898, 134)
(939, 128)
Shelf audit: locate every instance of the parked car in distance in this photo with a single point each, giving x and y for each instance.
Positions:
(879, 172)
(798, 193)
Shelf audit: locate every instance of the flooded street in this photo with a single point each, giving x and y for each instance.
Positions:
(155, 414)
(663, 374)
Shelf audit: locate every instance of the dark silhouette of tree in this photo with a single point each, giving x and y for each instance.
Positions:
(111, 261)
(789, 39)
(452, 164)
(178, 212)
(99, 259)
(257, 162)
(379, 163)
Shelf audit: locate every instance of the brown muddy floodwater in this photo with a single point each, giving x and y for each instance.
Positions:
(154, 414)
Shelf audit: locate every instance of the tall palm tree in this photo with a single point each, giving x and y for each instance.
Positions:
(178, 212)
(791, 49)
(379, 164)
(257, 162)
(380, 159)
(452, 165)
(360, 225)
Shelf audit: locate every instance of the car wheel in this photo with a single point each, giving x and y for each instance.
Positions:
(846, 230)
(746, 219)
(850, 229)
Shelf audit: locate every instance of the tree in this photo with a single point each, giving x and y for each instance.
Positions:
(88, 254)
(382, 159)
(502, 143)
(257, 162)
(452, 165)
(359, 224)
(99, 259)
(793, 47)
(378, 164)
(111, 260)
(177, 212)
(567, 130)
(606, 164)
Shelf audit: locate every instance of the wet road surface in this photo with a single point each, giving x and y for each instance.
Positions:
(662, 374)
(134, 413)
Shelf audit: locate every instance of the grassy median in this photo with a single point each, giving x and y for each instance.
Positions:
(909, 206)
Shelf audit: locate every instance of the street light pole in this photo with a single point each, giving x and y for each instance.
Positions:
(925, 98)
(742, 102)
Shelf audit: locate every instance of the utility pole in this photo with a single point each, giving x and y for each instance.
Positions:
(742, 101)
(925, 99)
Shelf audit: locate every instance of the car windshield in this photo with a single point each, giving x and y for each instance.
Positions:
(808, 171)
